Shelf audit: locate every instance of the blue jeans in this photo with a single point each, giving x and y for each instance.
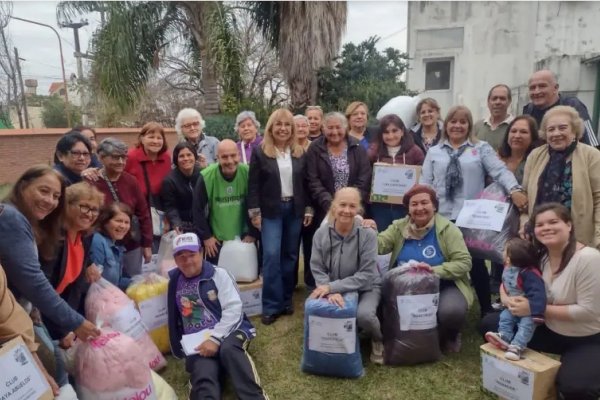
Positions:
(61, 377)
(280, 239)
(525, 329)
(385, 214)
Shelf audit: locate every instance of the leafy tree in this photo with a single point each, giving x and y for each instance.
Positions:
(364, 74)
(54, 115)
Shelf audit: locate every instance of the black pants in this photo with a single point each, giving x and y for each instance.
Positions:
(307, 234)
(480, 278)
(452, 311)
(233, 360)
(578, 377)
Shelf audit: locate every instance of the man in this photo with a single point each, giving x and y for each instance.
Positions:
(543, 93)
(219, 208)
(493, 128)
(203, 297)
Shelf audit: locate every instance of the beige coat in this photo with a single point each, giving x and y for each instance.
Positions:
(585, 205)
(14, 320)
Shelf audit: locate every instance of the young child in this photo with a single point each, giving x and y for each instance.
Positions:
(521, 277)
(113, 224)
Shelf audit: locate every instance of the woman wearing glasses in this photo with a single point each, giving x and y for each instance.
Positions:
(72, 156)
(189, 126)
(122, 187)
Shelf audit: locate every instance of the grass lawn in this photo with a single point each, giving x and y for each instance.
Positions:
(277, 351)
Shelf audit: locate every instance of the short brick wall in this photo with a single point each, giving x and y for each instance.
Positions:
(22, 148)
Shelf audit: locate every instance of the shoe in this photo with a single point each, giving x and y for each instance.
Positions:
(513, 353)
(288, 310)
(268, 319)
(66, 393)
(376, 352)
(453, 345)
(498, 306)
(497, 340)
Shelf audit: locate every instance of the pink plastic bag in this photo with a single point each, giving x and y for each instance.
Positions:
(112, 366)
(110, 307)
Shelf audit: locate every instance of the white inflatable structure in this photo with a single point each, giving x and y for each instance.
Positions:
(403, 106)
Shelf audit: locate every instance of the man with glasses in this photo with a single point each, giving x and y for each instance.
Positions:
(189, 126)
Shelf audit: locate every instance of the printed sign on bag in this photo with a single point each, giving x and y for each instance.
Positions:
(418, 312)
(332, 335)
(482, 214)
(154, 312)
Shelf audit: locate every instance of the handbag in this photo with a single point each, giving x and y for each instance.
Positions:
(136, 230)
(156, 215)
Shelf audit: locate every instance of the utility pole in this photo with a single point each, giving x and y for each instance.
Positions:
(78, 56)
(23, 98)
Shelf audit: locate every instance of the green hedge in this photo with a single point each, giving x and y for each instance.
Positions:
(220, 126)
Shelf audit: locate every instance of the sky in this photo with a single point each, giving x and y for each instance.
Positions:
(38, 46)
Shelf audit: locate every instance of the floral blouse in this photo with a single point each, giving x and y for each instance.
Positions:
(341, 169)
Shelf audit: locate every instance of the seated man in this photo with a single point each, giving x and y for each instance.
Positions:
(202, 296)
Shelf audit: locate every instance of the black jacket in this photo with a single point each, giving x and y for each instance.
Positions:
(320, 174)
(176, 196)
(264, 185)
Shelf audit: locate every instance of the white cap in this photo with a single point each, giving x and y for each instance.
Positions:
(186, 241)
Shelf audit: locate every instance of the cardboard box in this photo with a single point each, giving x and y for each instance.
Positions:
(531, 378)
(20, 377)
(251, 294)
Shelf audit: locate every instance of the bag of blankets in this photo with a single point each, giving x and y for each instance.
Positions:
(488, 244)
(149, 291)
(410, 298)
(110, 307)
(331, 345)
(112, 366)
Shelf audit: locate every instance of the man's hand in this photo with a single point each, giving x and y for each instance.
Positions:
(211, 246)
(208, 348)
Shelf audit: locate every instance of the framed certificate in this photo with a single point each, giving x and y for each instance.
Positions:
(391, 181)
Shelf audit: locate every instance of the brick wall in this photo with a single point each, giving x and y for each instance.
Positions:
(22, 148)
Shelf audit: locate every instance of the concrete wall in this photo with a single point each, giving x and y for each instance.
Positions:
(503, 42)
(22, 148)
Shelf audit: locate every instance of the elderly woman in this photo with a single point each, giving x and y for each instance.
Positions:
(456, 168)
(178, 188)
(344, 259)
(278, 207)
(357, 114)
(435, 243)
(566, 171)
(302, 131)
(72, 156)
(428, 131)
(190, 126)
(315, 122)
(572, 318)
(120, 186)
(247, 126)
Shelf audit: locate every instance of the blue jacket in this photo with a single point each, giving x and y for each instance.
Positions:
(227, 307)
(103, 251)
(531, 282)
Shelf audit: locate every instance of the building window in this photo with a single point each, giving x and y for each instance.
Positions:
(438, 74)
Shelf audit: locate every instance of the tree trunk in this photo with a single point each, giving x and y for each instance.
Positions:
(210, 87)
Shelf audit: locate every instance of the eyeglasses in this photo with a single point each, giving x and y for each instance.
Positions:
(79, 154)
(191, 125)
(88, 210)
(118, 157)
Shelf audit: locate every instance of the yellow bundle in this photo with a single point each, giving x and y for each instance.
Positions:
(149, 291)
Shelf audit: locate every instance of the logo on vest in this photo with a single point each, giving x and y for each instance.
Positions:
(229, 190)
(429, 252)
(212, 295)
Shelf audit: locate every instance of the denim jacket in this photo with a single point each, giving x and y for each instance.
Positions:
(105, 252)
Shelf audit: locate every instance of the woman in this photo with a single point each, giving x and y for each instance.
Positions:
(520, 139)
(392, 146)
(344, 260)
(178, 188)
(357, 114)
(120, 187)
(72, 156)
(113, 224)
(566, 171)
(572, 318)
(428, 131)
(90, 134)
(69, 270)
(456, 169)
(247, 126)
(315, 122)
(190, 126)
(435, 243)
(333, 161)
(278, 207)
(302, 131)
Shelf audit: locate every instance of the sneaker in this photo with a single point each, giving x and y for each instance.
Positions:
(66, 393)
(453, 345)
(376, 352)
(497, 340)
(513, 353)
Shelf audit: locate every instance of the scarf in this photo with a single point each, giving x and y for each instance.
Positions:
(454, 178)
(70, 176)
(550, 183)
(411, 231)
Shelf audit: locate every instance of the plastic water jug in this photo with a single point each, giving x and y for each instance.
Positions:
(240, 259)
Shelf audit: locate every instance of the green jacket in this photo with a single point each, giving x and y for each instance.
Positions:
(458, 260)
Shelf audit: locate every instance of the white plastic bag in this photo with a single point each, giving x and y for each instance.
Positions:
(165, 260)
(164, 391)
(403, 106)
(240, 259)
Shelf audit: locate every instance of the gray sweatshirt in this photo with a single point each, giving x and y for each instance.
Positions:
(345, 263)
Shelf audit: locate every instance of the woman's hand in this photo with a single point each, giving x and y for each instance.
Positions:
(519, 199)
(518, 306)
(320, 291)
(92, 274)
(147, 254)
(424, 266)
(202, 161)
(523, 231)
(91, 174)
(256, 222)
(336, 299)
(67, 341)
(369, 223)
(87, 331)
(249, 239)
(307, 220)
(53, 385)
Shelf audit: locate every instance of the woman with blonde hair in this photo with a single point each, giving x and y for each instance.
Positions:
(357, 114)
(344, 259)
(278, 207)
(428, 131)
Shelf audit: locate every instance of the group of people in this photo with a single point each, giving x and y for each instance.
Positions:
(304, 185)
